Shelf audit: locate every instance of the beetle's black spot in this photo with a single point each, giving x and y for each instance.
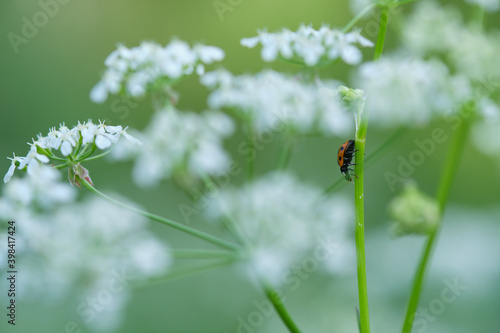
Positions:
(340, 158)
(341, 148)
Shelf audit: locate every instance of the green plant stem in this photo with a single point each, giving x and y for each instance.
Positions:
(356, 18)
(361, 129)
(285, 154)
(94, 157)
(202, 254)
(364, 319)
(443, 191)
(184, 272)
(384, 18)
(278, 305)
(176, 225)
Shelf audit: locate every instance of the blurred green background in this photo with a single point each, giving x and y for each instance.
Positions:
(48, 82)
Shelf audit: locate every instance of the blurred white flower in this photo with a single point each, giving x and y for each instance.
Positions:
(272, 99)
(73, 249)
(65, 140)
(486, 131)
(282, 220)
(430, 28)
(405, 91)
(137, 69)
(475, 54)
(309, 45)
(487, 5)
(42, 189)
(433, 29)
(467, 235)
(176, 141)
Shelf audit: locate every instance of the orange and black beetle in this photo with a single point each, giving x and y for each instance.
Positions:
(344, 158)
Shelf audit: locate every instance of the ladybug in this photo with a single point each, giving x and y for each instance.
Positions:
(344, 158)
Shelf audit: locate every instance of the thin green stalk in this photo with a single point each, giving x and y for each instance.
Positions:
(384, 18)
(361, 129)
(184, 272)
(94, 157)
(357, 18)
(285, 154)
(62, 166)
(278, 305)
(176, 225)
(364, 319)
(201, 254)
(443, 191)
(227, 220)
(269, 290)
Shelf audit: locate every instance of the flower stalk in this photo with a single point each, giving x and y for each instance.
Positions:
(361, 129)
(278, 305)
(443, 191)
(173, 224)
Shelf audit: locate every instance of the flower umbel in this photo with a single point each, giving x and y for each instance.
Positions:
(278, 230)
(414, 212)
(270, 99)
(310, 46)
(151, 66)
(75, 145)
(176, 143)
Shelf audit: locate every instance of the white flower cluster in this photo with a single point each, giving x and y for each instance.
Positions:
(273, 99)
(487, 5)
(486, 131)
(74, 141)
(175, 141)
(42, 190)
(282, 220)
(75, 248)
(139, 68)
(310, 46)
(432, 29)
(405, 91)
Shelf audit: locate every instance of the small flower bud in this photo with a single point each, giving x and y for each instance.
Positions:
(413, 212)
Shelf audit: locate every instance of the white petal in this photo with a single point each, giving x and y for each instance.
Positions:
(102, 142)
(131, 139)
(209, 54)
(9, 173)
(351, 55)
(99, 94)
(200, 69)
(42, 158)
(250, 42)
(66, 148)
